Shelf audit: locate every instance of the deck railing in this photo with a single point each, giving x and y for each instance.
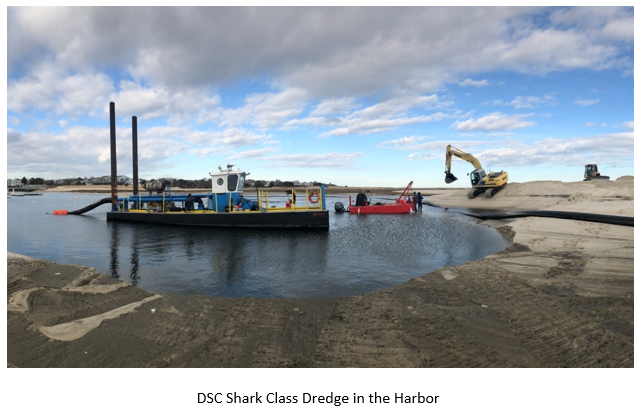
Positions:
(313, 200)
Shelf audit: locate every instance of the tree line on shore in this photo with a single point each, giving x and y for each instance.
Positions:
(180, 183)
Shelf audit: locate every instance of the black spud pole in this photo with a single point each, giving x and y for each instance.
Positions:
(135, 155)
(112, 132)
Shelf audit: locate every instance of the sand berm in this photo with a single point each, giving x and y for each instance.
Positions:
(560, 295)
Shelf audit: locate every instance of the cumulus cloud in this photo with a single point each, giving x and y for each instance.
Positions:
(52, 89)
(232, 137)
(76, 150)
(495, 121)
(629, 125)
(393, 112)
(389, 114)
(266, 110)
(313, 160)
(428, 150)
(86, 151)
(469, 82)
(209, 151)
(613, 149)
(496, 102)
(314, 122)
(331, 52)
(13, 135)
(253, 153)
(602, 22)
(177, 105)
(586, 102)
(534, 101)
(363, 126)
(414, 143)
(334, 107)
(525, 101)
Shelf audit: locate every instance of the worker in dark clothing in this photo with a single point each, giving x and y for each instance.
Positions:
(189, 203)
(294, 196)
(415, 201)
(420, 198)
(199, 203)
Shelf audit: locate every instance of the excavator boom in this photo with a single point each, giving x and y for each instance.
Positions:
(452, 151)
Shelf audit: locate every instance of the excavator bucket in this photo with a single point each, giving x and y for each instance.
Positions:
(450, 178)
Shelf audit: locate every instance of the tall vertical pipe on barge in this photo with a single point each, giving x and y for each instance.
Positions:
(135, 155)
(112, 133)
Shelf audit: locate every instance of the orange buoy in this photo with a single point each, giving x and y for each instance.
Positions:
(60, 212)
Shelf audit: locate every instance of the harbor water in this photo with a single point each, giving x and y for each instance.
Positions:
(359, 254)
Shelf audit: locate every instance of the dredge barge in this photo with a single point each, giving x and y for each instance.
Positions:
(225, 206)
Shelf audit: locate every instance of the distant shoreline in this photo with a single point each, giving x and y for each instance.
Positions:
(329, 189)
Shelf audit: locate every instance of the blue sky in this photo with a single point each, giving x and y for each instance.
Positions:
(351, 96)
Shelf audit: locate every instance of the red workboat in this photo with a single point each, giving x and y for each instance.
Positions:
(402, 205)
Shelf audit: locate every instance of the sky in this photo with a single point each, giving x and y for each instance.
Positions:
(352, 96)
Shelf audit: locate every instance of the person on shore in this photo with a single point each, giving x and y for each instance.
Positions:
(419, 201)
(189, 203)
(415, 201)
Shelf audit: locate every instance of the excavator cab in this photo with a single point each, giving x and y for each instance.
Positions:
(476, 177)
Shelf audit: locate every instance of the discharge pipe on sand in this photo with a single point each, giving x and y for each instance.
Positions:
(567, 215)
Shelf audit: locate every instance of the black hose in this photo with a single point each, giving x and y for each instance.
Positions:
(567, 215)
(91, 206)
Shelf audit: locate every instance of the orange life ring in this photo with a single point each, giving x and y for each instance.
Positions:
(313, 197)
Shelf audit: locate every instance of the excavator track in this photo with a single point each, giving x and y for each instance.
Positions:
(490, 192)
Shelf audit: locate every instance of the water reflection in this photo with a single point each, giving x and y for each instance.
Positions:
(134, 276)
(113, 251)
(224, 261)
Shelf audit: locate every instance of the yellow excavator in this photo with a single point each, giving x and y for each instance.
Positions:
(480, 181)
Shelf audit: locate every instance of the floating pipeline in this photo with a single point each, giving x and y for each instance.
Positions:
(567, 215)
(83, 210)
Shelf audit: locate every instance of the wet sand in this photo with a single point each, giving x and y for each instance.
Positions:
(561, 295)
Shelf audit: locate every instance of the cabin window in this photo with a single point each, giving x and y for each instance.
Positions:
(232, 182)
(242, 180)
(219, 181)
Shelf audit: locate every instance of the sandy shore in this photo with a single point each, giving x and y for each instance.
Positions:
(561, 295)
